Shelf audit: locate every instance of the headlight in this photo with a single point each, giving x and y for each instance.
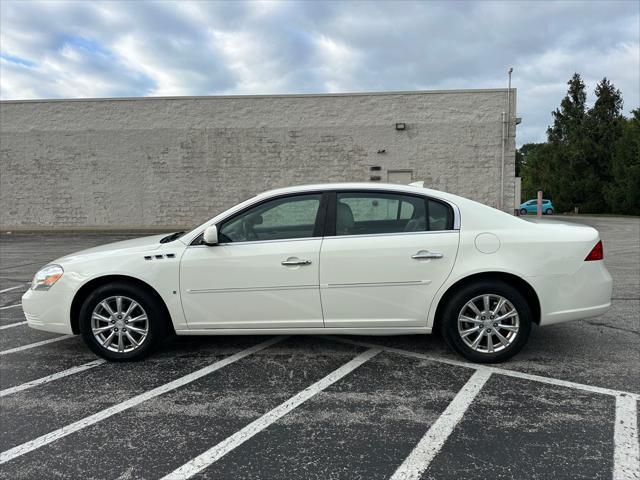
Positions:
(45, 278)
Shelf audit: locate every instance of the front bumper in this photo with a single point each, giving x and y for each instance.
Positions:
(48, 310)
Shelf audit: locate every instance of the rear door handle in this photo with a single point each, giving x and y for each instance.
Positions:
(426, 254)
(292, 261)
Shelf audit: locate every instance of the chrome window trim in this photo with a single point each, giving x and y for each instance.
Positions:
(390, 234)
(279, 240)
(332, 237)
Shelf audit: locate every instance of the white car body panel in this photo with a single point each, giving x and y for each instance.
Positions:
(245, 285)
(373, 281)
(354, 285)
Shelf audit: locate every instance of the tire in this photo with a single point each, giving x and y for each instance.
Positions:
(523, 211)
(119, 324)
(458, 305)
(549, 211)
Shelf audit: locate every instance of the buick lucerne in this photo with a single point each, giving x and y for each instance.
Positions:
(370, 259)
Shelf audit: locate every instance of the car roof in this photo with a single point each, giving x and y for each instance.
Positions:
(395, 187)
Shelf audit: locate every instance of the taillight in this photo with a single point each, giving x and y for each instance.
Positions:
(596, 253)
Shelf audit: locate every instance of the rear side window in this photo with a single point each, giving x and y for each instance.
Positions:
(367, 213)
(440, 216)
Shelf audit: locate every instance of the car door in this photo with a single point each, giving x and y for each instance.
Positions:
(533, 206)
(264, 271)
(384, 257)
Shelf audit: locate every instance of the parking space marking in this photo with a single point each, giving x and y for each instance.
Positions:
(205, 459)
(50, 378)
(626, 461)
(10, 306)
(496, 370)
(419, 459)
(11, 325)
(11, 288)
(34, 345)
(563, 383)
(31, 445)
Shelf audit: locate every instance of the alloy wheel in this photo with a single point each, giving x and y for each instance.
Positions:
(119, 324)
(488, 323)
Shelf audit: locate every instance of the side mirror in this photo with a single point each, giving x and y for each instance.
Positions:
(210, 236)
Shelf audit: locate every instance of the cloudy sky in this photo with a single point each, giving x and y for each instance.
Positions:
(129, 48)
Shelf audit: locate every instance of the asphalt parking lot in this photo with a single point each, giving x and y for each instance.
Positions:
(322, 407)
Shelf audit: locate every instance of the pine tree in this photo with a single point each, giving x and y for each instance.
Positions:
(604, 127)
(568, 174)
(591, 159)
(569, 118)
(622, 194)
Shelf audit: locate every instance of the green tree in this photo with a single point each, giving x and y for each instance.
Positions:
(568, 120)
(536, 170)
(590, 159)
(622, 194)
(603, 129)
(570, 179)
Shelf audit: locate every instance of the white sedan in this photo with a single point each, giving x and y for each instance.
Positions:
(367, 259)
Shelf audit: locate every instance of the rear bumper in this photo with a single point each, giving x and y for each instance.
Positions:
(575, 314)
(584, 294)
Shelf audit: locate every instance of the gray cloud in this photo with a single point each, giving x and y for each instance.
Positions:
(93, 49)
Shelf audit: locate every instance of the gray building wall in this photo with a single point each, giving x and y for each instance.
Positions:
(156, 162)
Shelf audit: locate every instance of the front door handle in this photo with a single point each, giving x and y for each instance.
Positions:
(292, 261)
(426, 254)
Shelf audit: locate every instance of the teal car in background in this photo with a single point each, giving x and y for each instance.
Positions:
(531, 206)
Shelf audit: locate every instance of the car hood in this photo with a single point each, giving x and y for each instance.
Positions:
(143, 244)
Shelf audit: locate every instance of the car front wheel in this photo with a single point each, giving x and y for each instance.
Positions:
(121, 322)
(487, 322)
(523, 211)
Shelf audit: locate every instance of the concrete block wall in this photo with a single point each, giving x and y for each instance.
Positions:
(172, 162)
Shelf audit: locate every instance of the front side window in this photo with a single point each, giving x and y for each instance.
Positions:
(278, 219)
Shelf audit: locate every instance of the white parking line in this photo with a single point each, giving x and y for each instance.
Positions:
(496, 370)
(50, 378)
(34, 345)
(12, 288)
(11, 325)
(47, 438)
(626, 457)
(419, 459)
(205, 459)
(10, 306)
(626, 447)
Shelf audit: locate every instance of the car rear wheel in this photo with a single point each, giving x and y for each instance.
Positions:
(487, 322)
(549, 211)
(121, 322)
(523, 211)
